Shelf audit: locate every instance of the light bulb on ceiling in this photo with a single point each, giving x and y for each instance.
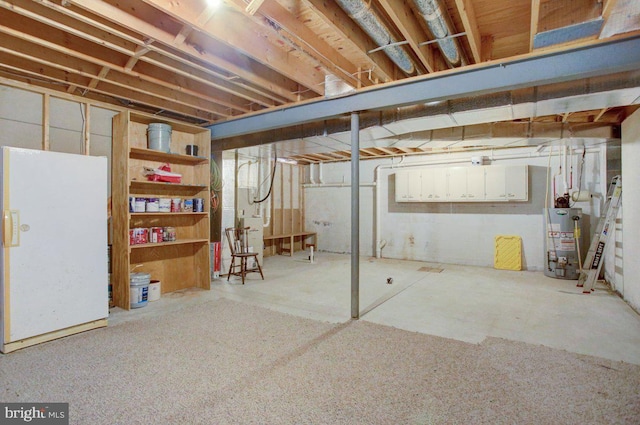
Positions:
(214, 4)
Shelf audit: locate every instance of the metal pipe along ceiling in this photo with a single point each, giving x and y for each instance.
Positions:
(372, 24)
(434, 17)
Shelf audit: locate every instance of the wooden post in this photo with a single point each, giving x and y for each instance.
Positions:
(45, 121)
(87, 128)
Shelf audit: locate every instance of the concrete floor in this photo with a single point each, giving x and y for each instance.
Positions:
(459, 302)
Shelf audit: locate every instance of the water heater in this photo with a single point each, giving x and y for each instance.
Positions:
(562, 227)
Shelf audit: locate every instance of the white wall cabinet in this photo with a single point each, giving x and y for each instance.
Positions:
(506, 183)
(517, 182)
(434, 184)
(408, 185)
(463, 184)
(466, 184)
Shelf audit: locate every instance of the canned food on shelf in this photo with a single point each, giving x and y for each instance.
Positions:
(176, 205)
(156, 235)
(169, 234)
(198, 204)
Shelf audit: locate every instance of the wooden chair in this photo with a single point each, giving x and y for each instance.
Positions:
(237, 238)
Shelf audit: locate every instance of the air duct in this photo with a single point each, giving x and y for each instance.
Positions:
(369, 20)
(434, 17)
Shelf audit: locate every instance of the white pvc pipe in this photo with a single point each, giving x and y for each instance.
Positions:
(311, 173)
(267, 204)
(335, 185)
(564, 170)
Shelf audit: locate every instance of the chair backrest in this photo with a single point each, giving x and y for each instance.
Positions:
(237, 238)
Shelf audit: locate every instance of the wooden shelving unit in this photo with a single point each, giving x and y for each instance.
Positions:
(179, 264)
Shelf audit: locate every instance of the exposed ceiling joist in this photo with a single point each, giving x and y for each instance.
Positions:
(268, 80)
(404, 19)
(189, 60)
(243, 35)
(379, 64)
(468, 16)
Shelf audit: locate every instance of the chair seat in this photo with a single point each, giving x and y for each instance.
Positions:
(246, 254)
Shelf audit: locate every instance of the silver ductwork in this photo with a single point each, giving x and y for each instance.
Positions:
(369, 20)
(435, 18)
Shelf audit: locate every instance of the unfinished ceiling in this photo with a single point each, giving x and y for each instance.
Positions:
(207, 63)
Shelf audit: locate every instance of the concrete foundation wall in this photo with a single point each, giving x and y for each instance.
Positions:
(21, 124)
(630, 241)
(445, 232)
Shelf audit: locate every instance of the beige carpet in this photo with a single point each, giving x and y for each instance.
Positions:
(224, 362)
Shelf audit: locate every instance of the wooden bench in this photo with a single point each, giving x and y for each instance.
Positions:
(291, 237)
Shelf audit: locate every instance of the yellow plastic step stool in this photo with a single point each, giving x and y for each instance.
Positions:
(508, 252)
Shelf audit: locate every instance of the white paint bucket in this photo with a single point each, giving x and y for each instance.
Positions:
(153, 205)
(140, 205)
(164, 205)
(139, 289)
(155, 290)
(159, 136)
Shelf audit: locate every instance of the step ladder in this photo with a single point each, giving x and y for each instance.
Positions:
(606, 226)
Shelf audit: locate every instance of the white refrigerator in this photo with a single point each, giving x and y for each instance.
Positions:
(54, 278)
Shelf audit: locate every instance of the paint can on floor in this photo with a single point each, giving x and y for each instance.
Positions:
(155, 290)
(139, 289)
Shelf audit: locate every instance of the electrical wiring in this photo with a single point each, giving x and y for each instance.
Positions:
(579, 177)
(273, 176)
(547, 216)
(216, 183)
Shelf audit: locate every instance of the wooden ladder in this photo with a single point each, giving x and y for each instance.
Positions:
(606, 226)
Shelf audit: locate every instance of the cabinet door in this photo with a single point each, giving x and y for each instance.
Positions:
(434, 185)
(517, 183)
(402, 185)
(440, 184)
(457, 184)
(475, 183)
(495, 183)
(414, 185)
(408, 185)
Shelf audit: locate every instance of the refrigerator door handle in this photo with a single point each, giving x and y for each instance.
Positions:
(10, 225)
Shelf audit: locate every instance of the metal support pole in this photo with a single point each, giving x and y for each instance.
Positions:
(355, 215)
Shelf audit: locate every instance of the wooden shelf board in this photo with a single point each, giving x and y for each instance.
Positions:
(167, 214)
(174, 158)
(178, 242)
(140, 184)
